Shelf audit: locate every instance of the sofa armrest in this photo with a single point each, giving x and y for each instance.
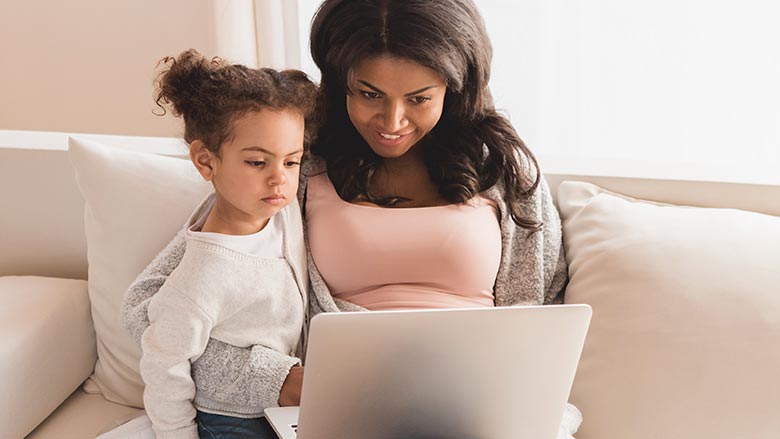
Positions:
(47, 348)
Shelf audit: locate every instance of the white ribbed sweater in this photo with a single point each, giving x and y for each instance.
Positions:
(216, 293)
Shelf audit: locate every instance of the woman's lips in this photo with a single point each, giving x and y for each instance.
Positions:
(387, 139)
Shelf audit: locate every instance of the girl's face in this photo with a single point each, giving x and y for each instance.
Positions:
(394, 102)
(257, 173)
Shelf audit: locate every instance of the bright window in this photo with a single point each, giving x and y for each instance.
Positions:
(671, 81)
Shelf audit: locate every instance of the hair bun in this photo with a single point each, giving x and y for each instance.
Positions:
(185, 82)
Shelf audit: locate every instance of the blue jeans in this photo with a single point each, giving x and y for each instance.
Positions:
(228, 427)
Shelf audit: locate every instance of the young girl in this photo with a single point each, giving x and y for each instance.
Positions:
(242, 278)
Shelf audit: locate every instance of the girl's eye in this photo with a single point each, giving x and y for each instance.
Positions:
(254, 163)
(291, 164)
(420, 99)
(369, 94)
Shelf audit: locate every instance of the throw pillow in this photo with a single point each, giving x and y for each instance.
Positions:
(684, 337)
(134, 204)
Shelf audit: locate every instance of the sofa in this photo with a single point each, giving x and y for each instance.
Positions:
(681, 266)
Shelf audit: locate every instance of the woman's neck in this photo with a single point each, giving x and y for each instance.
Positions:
(408, 177)
(409, 166)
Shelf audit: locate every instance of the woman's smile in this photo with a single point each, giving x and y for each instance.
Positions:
(394, 103)
(391, 140)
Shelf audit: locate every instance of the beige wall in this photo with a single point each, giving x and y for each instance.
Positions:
(88, 65)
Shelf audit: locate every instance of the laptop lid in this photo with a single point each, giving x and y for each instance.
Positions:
(463, 373)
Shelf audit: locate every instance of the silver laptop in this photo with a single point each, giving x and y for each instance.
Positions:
(456, 373)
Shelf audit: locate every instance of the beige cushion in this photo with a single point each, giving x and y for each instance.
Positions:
(685, 336)
(134, 204)
(47, 348)
(83, 416)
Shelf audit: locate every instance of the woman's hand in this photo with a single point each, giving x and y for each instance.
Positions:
(290, 394)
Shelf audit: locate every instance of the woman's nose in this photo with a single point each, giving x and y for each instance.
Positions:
(394, 118)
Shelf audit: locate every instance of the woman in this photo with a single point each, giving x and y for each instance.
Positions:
(417, 170)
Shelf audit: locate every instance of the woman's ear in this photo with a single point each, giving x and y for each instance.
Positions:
(203, 159)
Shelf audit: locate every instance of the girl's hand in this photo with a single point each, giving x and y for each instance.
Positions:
(290, 394)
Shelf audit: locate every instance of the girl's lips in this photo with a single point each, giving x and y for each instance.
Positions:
(275, 200)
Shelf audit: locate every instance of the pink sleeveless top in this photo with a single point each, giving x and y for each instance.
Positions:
(403, 258)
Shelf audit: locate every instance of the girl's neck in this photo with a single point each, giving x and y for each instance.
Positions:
(226, 219)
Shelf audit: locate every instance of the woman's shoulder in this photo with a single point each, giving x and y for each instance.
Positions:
(536, 202)
(311, 166)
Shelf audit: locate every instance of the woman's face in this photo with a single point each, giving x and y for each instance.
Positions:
(394, 102)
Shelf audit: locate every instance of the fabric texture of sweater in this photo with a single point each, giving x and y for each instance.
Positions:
(216, 294)
(533, 271)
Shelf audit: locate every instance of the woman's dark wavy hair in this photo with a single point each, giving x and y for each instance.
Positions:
(210, 94)
(471, 148)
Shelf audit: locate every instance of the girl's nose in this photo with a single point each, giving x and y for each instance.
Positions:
(278, 177)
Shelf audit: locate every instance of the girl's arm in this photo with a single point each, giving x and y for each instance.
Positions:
(249, 377)
(259, 371)
(177, 334)
(135, 303)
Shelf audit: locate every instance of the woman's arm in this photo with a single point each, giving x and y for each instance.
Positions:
(556, 271)
(533, 268)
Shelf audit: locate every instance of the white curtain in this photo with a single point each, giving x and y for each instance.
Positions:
(258, 33)
(692, 81)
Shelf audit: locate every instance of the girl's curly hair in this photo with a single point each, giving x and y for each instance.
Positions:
(209, 94)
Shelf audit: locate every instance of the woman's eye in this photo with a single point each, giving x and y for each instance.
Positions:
(420, 99)
(292, 163)
(254, 163)
(369, 94)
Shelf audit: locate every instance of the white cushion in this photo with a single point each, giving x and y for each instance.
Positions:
(134, 204)
(47, 348)
(685, 336)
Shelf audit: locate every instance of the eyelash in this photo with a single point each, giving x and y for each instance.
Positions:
(417, 100)
(369, 95)
(257, 163)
